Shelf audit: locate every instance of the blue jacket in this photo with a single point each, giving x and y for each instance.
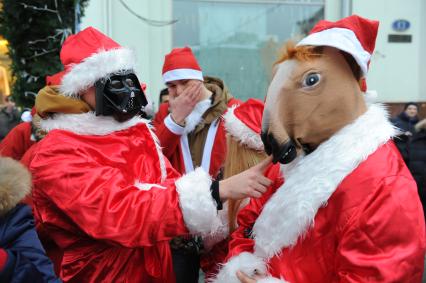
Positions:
(26, 258)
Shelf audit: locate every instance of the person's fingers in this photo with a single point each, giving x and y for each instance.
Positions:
(244, 278)
(264, 181)
(188, 91)
(261, 166)
(197, 91)
(254, 194)
(260, 188)
(192, 96)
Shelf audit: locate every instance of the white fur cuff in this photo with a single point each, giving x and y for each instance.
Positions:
(198, 206)
(173, 127)
(245, 262)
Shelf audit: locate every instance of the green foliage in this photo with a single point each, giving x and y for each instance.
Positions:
(35, 32)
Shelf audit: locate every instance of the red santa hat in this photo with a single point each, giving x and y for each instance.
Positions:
(181, 64)
(244, 123)
(354, 35)
(89, 56)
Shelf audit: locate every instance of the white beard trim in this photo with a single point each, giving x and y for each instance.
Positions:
(88, 123)
(195, 117)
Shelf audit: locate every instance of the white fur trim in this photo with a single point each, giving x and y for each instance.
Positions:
(271, 280)
(240, 131)
(370, 96)
(182, 74)
(148, 186)
(342, 39)
(291, 210)
(198, 206)
(99, 65)
(172, 126)
(196, 115)
(245, 262)
(159, 153)
(88, 123)
(222, 232)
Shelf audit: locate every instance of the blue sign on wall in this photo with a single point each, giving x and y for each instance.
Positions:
(400, 25)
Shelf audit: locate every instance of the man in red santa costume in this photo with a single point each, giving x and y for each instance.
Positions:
(348, 210)
(103, 192)
(192, 134)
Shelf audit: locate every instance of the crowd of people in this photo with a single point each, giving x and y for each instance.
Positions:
(118, 197)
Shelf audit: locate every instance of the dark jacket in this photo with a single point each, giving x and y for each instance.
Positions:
(22, 258)
(416, 162)
(405, 124)
(8, 120)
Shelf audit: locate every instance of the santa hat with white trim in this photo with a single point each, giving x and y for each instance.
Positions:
(89, 56)
(244, 123)
(354, 35)
(181, 64)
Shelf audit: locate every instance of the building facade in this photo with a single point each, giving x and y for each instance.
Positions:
(238, 40)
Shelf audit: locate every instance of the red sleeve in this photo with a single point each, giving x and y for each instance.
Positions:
(17, 141)
(88, 186)
(385, 240)
(168, 140)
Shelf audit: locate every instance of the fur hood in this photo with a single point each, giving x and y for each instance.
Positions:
(421, 125)
(15, 184)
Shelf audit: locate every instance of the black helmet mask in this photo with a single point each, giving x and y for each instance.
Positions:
(120, 95)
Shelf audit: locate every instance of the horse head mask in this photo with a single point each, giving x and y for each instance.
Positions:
(317, 87)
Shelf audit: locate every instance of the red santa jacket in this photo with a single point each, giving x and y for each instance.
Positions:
(347, 212)
(110, 201)
(170, 141)
(17, 141)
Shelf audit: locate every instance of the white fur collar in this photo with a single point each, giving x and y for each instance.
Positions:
(291, 210)
(88, 123)
(195, 117)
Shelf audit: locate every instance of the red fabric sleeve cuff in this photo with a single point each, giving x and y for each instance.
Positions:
(3, 258)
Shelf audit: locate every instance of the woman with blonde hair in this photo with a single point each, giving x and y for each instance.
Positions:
(243, 125)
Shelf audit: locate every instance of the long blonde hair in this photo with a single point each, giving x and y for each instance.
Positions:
(239, 158)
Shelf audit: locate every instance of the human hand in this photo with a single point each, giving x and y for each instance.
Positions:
(244, 278)
(182, 105)
(249, 183)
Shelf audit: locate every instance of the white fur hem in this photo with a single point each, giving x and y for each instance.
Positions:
(297, 201)
(240, 131)
(222, 232)
(99, 65)
(271, 280)
(88, 123)
(245, 262)
(198, 206)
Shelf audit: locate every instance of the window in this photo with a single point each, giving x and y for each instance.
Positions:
(238, 41)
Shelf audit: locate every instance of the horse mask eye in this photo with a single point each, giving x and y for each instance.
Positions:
(120, 96)
(311, 80)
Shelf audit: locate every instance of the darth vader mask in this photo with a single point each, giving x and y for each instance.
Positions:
(120, 96)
